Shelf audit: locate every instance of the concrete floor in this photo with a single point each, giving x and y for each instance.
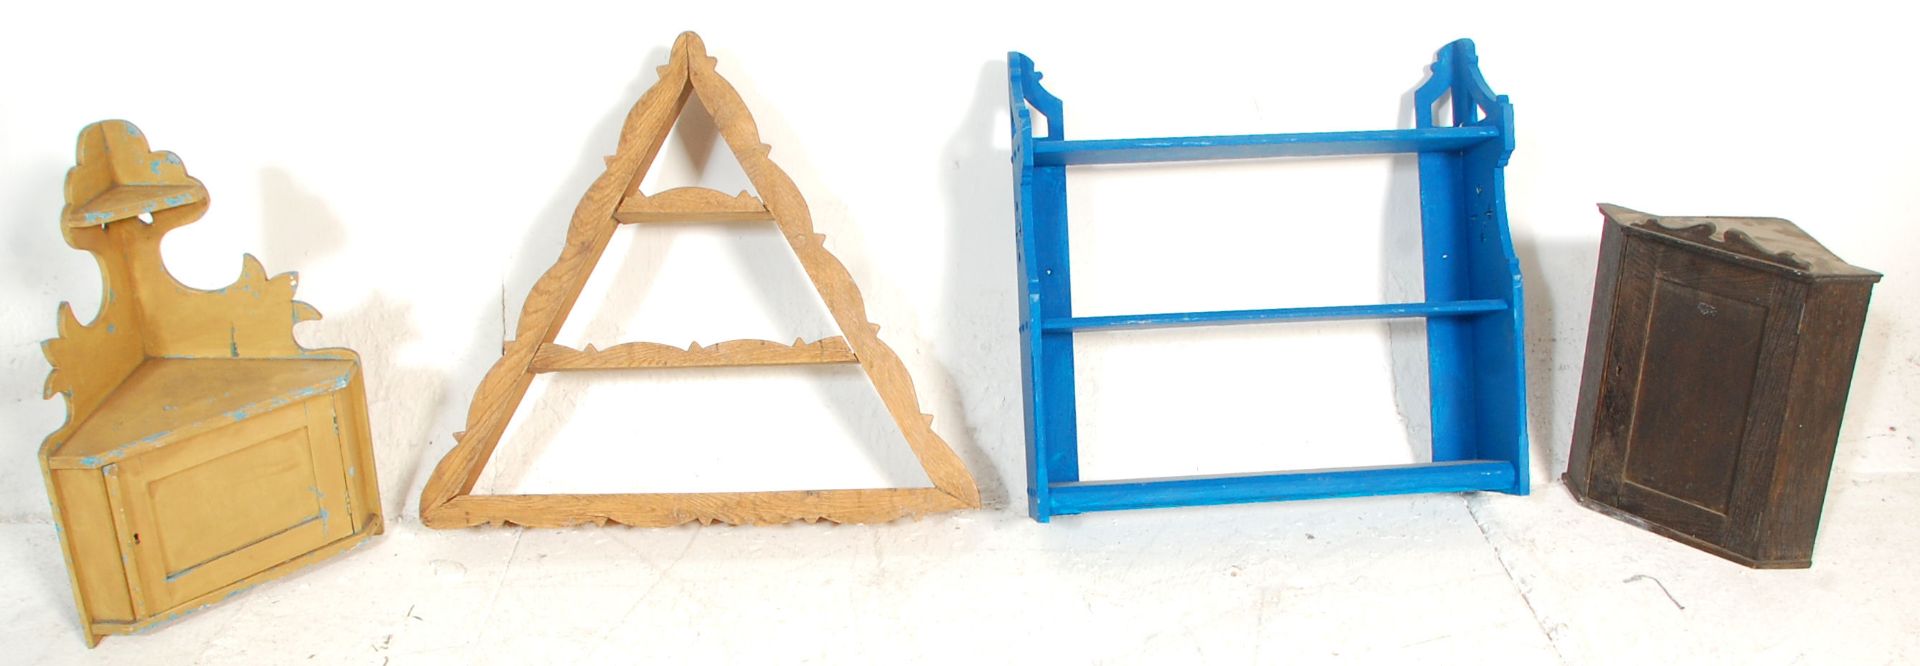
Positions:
(1420, 579)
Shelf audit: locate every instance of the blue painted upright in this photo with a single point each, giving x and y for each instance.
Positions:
(1473, 305)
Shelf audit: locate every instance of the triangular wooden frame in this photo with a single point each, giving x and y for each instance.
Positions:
(613, 199)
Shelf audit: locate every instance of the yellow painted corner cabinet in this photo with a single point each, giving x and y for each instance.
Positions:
(204, 451)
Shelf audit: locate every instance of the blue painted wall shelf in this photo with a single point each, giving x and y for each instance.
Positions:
(1473, 307)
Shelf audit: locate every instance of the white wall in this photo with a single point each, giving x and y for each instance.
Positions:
(417, 164)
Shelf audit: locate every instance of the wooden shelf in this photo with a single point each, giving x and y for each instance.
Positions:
(128, 201)
(692, 204)
(1222, 317)
(1441, 477)
(449, 499)
(732, 353)
(1253, 146)
(1474, 329)
(167, 399)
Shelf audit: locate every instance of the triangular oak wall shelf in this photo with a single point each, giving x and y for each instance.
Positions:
(614, 199)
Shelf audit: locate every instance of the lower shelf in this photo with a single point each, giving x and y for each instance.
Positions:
(1324, 313)
(1442, 477)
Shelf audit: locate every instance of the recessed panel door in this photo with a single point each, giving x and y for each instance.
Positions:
(214, 509)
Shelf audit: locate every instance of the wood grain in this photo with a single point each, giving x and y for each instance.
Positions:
(1715, 381)
(669, 509)
(613, 198)
(692, 204)
(637, 355)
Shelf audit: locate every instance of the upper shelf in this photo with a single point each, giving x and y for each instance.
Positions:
(1250, 146)
(117, 177)
(1476, 119)
(692, 204)
(128, 201)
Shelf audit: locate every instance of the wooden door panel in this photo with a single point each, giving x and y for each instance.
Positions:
(1695, 387)
(1620, 380)
(212, 510)
(1693, 336)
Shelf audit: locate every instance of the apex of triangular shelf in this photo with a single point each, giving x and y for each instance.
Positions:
(692, 204)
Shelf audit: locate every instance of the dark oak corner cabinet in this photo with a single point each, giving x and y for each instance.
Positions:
(1718, 359)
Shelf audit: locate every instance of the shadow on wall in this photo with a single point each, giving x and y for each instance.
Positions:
(1879, 369)
(1403, 269)
(531, 258)
(41, 272)
(550, 405)
(1556, 330)
(402, 401)
(977, 345)
(782, 283)
(299, 227)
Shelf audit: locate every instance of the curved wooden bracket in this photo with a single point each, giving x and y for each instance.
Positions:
(145, 312)
(1770, 240)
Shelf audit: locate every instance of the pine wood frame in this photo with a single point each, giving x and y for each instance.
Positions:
(614, 199)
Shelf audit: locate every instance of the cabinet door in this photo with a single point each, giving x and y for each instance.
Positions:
(214, 509)
(1698, 349)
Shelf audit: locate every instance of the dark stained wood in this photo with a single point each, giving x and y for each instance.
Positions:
(1718, 360)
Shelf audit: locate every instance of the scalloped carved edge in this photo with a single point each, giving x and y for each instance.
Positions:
(116, 176)
(670, 509)
(630, 355)
(1731, 240)
(1027, 90)
(692, 204)
(1705, 232)
(1456, 71)
(447, 500)
(146, 313)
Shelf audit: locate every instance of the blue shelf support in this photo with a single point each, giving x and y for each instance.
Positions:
(1473, 301)
(1046, 363)
(1475, 367)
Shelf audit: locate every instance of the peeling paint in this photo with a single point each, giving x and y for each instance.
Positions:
(175, 615)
